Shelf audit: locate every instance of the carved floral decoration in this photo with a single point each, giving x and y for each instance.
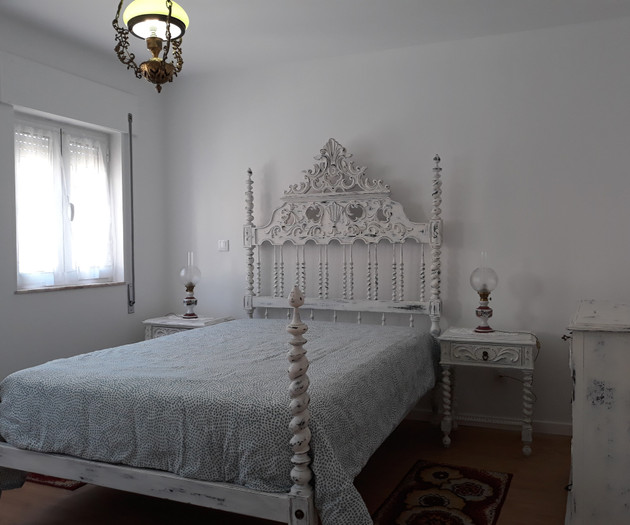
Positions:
(338, 202)
(371, 220)
(336, 173)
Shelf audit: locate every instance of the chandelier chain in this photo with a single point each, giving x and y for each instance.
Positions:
(177, 56)
(169, 6)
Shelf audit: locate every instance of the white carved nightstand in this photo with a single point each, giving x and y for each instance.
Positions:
(170, 324)
(465, 347)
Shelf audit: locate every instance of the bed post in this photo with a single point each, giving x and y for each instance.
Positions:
(248, 243)
(435, 303)
(302, 509)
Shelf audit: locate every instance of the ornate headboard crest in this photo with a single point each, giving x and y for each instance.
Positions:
(335, 173)
(337, 201)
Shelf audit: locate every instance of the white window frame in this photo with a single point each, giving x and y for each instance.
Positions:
(66, 273)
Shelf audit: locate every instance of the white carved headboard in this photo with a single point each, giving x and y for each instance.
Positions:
(339, 222)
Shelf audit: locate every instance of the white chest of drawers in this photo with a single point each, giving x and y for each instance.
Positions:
(600, 448)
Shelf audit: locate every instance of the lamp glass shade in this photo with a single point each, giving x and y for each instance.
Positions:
(484, 279)
(146, 18)
(190, 274)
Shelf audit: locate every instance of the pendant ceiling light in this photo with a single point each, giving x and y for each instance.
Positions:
(161, 23)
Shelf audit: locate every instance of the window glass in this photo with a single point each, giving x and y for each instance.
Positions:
(64, 202)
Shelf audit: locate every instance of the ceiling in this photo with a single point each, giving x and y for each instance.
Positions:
(244, 33)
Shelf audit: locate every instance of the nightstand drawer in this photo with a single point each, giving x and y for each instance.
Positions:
(487, 354)
(171, 324)
(160, 331)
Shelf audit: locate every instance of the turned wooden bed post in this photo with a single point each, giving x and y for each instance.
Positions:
(302, 508)
(435, 303)
(248, 243)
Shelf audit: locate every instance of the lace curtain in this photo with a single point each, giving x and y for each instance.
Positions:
(64, 216)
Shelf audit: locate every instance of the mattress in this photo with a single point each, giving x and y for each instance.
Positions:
(212, 404)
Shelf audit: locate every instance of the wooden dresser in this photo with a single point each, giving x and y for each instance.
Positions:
(600, 450)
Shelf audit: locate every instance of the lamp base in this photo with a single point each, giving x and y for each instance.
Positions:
(157, 72)
(190, 301)
(484, 312)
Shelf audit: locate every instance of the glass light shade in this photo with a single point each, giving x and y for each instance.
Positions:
(190, 274)
(484, 279)
(146, 18)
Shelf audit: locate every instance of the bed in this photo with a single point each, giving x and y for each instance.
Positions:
(204, 416)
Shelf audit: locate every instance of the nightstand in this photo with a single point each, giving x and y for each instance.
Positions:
(170, 324)
(465, 347)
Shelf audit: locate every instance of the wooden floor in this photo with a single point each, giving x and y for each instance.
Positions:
(537, 493)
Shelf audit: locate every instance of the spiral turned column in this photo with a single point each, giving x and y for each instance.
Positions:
(300, 442)
(528, 408)
(447, 417)
(435, 303)
(248, 242)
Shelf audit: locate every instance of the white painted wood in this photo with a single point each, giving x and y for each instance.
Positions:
(224, 496)
(368, 282)
(422, 275)
(248, 243)
(401, 270)
(447, 397)
(394, 276)
(601, 316)
(298, 389)
(348, 305)
(276, 273)
(171, 324)
(258, 269)
(338, 206)
(302, 280)
(511, 350)
(436, 242)
(600, 457)
(326, 274)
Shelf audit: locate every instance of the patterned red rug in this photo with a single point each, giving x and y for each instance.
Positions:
(437, 494)
(68, 484)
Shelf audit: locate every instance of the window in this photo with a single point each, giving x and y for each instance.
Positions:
(66, 210)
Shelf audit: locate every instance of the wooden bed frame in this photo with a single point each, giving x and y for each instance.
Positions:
(337, 209)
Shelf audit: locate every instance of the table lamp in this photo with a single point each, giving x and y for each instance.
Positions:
(189, 275)
(484, 280)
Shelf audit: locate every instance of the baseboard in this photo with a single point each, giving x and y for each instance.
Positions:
(503, 423)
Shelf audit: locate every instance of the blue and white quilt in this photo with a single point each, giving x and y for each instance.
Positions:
(212, 404)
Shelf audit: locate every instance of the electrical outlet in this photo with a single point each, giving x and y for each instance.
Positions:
(224, 245)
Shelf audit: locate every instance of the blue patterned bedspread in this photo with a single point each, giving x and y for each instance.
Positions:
(212, 404)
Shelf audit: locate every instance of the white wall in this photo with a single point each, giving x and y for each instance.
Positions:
(533, 130)
(36, 327)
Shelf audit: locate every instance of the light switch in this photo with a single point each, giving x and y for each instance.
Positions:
(224, 245)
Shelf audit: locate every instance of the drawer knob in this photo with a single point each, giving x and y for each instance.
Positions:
(484, 356)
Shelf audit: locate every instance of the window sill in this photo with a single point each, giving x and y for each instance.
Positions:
(68, 287)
